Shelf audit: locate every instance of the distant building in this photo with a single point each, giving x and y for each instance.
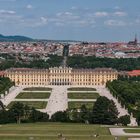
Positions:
(133, 43)
(61, 76)
(134, 73)
(2, 73)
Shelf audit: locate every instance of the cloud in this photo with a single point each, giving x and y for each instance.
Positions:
(29, 6)
(114, 23)
(36, 22)
(59, 24)
(101, 14)
(7, 12)
(44, 20)
(120, 14)
(74, 8)
(117, 8)
(66, 16)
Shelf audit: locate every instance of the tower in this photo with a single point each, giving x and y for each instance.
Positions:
(136, 41)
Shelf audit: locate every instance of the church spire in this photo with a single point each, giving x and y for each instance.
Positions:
(136, 41)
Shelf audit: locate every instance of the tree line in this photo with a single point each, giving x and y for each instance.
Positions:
(5, 84)
(94, 62)
(53, 61)
(104, 111)
(127, 91)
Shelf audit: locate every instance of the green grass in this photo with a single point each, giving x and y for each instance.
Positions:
(33, 95)
(77, 105)
(37, 89)
(132, 130)
(50, 131)
(78, 95)
(35, 104)
(81, 89)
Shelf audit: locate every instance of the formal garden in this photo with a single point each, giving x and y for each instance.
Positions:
(33, 95)
(37, 89)
(81, 89)
(34, 104)
(83, 95)
(78, 104)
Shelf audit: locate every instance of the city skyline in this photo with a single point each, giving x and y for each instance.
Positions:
(111, 20)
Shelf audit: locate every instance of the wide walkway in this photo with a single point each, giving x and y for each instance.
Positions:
(58, 100)
(11, 95)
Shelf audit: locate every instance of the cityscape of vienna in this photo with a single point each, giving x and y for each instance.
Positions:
(69, 70)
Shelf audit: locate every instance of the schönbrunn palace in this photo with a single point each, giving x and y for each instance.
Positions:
(61, 76)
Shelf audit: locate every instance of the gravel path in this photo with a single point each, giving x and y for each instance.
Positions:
(133, 138)
(120, 132)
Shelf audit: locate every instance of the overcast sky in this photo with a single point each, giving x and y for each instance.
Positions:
(91, 20)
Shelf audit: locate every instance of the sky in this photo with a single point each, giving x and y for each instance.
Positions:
(84, 20)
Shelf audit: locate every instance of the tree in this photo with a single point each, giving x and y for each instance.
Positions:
(124, 120)
(18, 111)
(1, 106)
(74, 115)
(3, 117)
(84, 114)
(37, 116)
(104, 112)
(60, 116)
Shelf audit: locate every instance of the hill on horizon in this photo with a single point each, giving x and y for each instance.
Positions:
(14, 38)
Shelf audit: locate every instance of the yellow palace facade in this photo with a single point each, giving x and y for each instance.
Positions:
(61, 76)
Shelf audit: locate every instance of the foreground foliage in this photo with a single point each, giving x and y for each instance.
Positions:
(22, 113)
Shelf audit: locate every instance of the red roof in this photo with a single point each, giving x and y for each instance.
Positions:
(2, 73)
(134, 73)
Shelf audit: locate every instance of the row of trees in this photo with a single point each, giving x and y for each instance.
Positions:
(94, 62)
(127, 91)
(5, 84)
(53, 61)
(104, 112)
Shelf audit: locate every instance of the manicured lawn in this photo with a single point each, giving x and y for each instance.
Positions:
(132, 130)
(50, 131)
(81, 89)
(78, 95)
(77, 105)
(33, 95)
(37, 89)
(35, 104)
